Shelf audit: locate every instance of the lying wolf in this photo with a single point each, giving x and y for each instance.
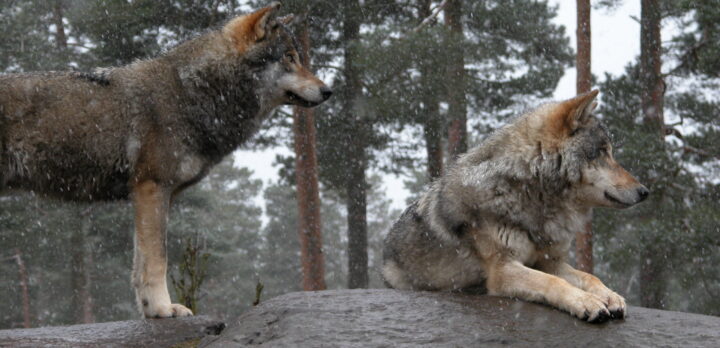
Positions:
(505, 214)
(150, 129)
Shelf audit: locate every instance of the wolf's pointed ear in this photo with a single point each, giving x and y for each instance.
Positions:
(573, 113)
(247, 29)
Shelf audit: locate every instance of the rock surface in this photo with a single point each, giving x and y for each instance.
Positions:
(131, 333)
(390, 318)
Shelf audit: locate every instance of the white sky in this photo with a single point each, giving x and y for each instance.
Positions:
(615, 40)
(615, 43)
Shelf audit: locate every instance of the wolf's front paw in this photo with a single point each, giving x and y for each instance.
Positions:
(591, 308)
(170, 310)
(614, 302)
(616, 305)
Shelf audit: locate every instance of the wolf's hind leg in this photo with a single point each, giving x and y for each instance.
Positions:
(589, 283)
(511, 278)
(150, 262)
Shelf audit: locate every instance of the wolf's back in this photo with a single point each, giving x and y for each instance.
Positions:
(66, 124)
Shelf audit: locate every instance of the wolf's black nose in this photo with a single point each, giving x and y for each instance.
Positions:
(326, 92)
(643, 193)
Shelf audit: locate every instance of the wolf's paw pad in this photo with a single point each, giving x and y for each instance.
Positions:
(169, 311)
(592, 309)
(616, 305)
(618, 314)
(601, 317)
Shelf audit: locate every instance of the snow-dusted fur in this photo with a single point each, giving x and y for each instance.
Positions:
(150, 129)
(505, 213)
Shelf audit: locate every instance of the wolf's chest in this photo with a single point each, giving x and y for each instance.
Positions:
(509, 242)
(520, 246)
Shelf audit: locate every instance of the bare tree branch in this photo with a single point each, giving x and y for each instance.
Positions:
(701, 152)
(682, 121)
(692, 52)
(327, 66)
(432, 16)
(669, 130)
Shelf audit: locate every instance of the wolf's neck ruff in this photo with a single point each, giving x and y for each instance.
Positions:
(222, 106)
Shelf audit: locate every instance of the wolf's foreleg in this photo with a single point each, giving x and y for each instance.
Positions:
(150, 262)
(589, 283)
(511, 278)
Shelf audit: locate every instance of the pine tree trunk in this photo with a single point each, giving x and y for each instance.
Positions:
(60, 38)
(433, 125)
(77, 274)
(653, 87)
(583, 239)
(88, 303)
(457, 105)
(583, 60)
(355, 184)
(432, 130)
(22, 271)
(308, 196)
(652, 279)
(357, 228)
(81, 306)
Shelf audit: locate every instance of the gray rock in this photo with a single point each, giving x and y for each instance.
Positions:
(131, 333)
(390, 318)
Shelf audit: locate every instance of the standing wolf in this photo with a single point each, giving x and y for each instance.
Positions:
(506, 212)
(150, 129)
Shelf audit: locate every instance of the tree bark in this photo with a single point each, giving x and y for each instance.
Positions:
(88, 302)
(355, 184)
(653, 87)
(306, 179)
(432, 130)
(433, 125)
(357, 228)
(23, 288)
(77, 275)
(457, 105)
(82, 303)
(60, 38)
(652, 278)
(583, 60)
(583, 239)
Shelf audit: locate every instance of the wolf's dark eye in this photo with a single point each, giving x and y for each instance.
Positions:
(291, 58)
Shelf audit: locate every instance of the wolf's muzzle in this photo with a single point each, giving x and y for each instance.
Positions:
(643, 193)
(326, 92)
